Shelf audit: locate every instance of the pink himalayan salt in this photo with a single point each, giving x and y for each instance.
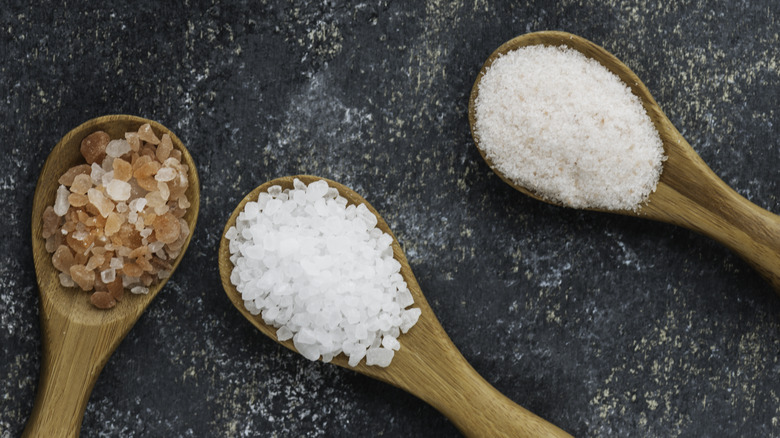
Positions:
(117, 148)
(164, 148)
(123, 170)
(93, 147)
(113, 222)
(146, 134)
(99, 200)
(62, 259)
(88, 241)
(50, 222)
(61, 203)
(133, 141)
(68, 177)
(84, 277)
(81, 183)
(118, 190)
(167, 228)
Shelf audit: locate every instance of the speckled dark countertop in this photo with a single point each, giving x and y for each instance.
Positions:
(605, 325)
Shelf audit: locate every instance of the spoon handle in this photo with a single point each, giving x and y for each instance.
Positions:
(436, 372)
(692, 196)
(482, 411)
(72, 360)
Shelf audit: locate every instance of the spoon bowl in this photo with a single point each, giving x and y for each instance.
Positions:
(78, 338)
(688, 194)
(428, 364)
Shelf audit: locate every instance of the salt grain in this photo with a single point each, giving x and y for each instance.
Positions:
(306, 262)
(140, 290)
(565, 127)
(61, 203)
(118, 190)
(117, 148)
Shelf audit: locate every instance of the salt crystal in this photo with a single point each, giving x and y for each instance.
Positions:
(66, 280)
(165, 192)
(165, 148)
(99, 200)
(391, 343)
(108, 165)
(133, 140)
(140, 290)
(161, 209)
(93, 146)
(356, 357)
(81, 184)
(62, 259)
(117, 148)
(122, 169)
(61, 203)
(108, 276)
(379, 356)
(146, 134)
(113, 222)
(410, 318)
(69, 176)
(275, 190)
(84, 277)
(405, 298)
(284, 334)
(167, 228)
(107, 178)
(97, 174)
(118, 190)
(137, 204)
(165, 174)
(116, 263)
(94, 262)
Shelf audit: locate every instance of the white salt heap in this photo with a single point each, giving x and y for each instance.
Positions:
(322, 273)
(566, 128)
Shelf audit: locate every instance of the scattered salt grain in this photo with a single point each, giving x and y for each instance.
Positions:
(563, 126)
(319, 271)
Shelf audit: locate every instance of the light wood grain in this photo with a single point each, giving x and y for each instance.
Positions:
(78, 338)
(689, 194)
(428, 364)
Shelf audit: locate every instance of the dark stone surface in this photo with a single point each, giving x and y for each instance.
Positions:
(605, 325)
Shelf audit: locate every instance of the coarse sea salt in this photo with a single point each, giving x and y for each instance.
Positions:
(320, 271)
(563, 126)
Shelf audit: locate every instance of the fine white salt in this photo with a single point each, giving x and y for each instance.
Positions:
(563, 126)
(322, 273)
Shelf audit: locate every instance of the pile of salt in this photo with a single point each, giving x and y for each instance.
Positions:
(322, 273)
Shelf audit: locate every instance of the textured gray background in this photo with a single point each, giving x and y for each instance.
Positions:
(605, 325)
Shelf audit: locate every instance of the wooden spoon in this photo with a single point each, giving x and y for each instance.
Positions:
(688, 194)
(428, 364)
(77, 337)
